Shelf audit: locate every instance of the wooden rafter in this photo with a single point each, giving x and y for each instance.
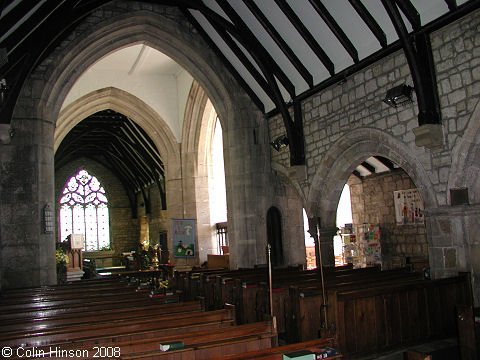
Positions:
(289, 53)
(224, 60)
(410, 12)
(243, 59)
(335, 28)
(369, 20)
(369, 167)
(306, 35)
(386, 162)
(257, 51)
(420, 60)
(452, 5)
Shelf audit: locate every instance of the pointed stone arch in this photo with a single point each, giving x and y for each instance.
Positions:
(197, 136)
(465, 169)
(109, 28)
(126, 104)
(346, 154)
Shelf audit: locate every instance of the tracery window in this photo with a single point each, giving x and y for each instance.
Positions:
(84, 210)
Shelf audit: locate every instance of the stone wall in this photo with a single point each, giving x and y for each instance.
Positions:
(372, 202)
(346, 123)
(157, 218)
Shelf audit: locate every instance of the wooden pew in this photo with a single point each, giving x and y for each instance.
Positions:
(199, 340)
(304, 306)
(119, 329)
(59, 308)
(276, 353)
(387, 317)
(44, 321)
(237, 340)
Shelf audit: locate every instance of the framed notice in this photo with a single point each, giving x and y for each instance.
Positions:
(408, 207)
(183, 231)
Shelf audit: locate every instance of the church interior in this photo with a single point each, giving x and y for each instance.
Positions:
(303, 173)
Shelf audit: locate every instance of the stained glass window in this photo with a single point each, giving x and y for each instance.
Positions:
(84, 210)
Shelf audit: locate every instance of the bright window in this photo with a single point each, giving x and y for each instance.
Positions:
(84, 210)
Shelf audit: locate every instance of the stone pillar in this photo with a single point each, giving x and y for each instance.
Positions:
(26, 186)
(326, 245)
(454, 243)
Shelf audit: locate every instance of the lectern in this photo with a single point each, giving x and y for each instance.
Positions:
(74, 267)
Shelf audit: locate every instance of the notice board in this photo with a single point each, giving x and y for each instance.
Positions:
(183, 231)
(408, 207)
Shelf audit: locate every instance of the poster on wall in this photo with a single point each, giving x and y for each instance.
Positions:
(183, 238)
(408, 207)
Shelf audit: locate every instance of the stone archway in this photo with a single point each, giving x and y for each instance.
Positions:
(197, 136)
(110, 28)
(339, 163)
(465, 170)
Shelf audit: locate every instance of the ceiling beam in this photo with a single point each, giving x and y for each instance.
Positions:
(145, 141)
(411, 13)
(287, 50)
(335, 28)
(255, 48)
(386, 162)
(243, 59)
(357, 174)
(306, 35)
(418, 51)
(370, 21)
(26, 48)
(256, 100)
(14, 15)
(368, 167)
(452, 5)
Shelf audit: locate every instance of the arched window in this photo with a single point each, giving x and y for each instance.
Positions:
(84, 210)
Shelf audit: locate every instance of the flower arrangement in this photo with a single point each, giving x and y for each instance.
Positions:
(62, 258)
(61, 262)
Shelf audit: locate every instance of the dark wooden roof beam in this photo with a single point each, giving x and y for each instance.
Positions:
(452, 5)
(245, 36)
(417, 49)
(289, 53)
(15, 15)
(138, 178)
(370, 21)
(143, 155)
(306, 35)
(335, 28)
(146, 142)
(368, 167)
(386, 162)
(243, 59)
(411, 13)
(357, 174)
(224, 60)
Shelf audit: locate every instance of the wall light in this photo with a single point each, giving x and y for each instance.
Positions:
(398, 95)
(280, 142)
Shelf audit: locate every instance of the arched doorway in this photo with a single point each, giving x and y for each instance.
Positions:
(274, 235)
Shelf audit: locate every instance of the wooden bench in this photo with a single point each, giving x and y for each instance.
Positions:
(237, 340)
(387, 317)
(43, 320)
(192, 338)
(276, 353)
(113, 329)
(304, 305)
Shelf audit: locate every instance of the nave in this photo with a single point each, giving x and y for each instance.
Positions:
(240, 314)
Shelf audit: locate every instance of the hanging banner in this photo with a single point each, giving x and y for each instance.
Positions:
(408, 207)
(183, 238)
